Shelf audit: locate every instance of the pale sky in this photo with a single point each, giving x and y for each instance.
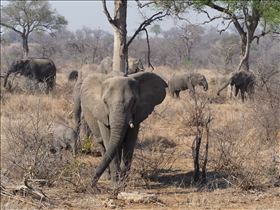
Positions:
(90, 14)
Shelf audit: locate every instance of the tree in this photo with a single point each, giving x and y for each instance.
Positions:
(245, 15)
(120, 33)
(191, 34)
(25, 17)
(156, 29)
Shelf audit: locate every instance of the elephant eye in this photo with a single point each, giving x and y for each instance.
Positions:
(135, 101)
(105, 101)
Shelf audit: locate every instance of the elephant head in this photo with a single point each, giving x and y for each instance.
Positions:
(16, 68)
(199, 79)
(134, 65)
(119, 104)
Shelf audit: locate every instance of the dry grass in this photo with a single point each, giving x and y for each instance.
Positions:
(242, 159)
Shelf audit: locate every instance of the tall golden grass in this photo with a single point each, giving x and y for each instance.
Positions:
(243, 136)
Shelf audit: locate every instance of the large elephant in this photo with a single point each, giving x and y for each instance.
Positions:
(182, 81)
(37, 69)
(114, 105)
(134, 65)
(243, 81)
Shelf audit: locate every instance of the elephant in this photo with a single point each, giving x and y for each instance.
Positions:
(182, 81)
(114, 105)
(37, 69)
(73, 76)
(61, 137)
(134, 65)
(106, 65)
(243, 81)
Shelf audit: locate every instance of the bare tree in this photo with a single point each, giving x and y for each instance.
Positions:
(120, 33)
(191, 35)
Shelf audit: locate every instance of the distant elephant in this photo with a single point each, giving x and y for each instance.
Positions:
(243, 81)
(106, 65)
(114, 106)
(134, 65)
(73, 75)
(182, 81)
(61, 137)
(37, 69)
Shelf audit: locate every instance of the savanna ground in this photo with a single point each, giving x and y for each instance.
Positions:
(242, 165)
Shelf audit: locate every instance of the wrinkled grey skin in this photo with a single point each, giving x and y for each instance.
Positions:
(73, 76)
(37, 69)
(116, 105)
(61, 137)
(134, 65)
(243, 81)
(183, 81)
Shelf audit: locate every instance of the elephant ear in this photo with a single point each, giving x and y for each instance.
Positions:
(151, 93)
(91, 90)
(27, 66)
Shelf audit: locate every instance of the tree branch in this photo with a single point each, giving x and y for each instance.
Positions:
(231, 16)
(12, 28)
(143, 5)
(224, 29)
(210, 19)
(145, 24)
(111, 21)
(246, 54)
(149, 50)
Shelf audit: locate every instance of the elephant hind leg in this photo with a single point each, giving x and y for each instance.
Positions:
(177, 92)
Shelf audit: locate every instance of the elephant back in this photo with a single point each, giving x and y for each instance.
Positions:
(178, 81)
(45, 66)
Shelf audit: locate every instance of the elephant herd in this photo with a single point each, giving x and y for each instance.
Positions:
(114, 104)
(241, 80)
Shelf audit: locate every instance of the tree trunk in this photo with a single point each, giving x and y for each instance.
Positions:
(25, 46)
(244, 56)
(120, 48)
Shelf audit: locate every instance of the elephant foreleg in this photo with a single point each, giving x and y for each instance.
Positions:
(128, 149)
(114, 167)
(236, 89)
(177, 92)
(242, 94)
(115, 170)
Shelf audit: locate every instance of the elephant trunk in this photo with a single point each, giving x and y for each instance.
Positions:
(205, 87)
(117, 131)
(223, 87)
(6, 78)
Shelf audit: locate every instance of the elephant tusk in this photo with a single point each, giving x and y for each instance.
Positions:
(131, 125)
